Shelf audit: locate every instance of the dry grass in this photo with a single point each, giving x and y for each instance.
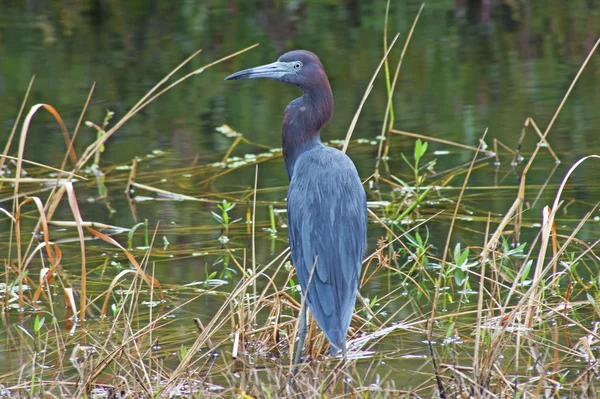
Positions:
(531, 332)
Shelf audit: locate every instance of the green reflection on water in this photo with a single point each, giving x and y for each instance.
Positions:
(461, 75)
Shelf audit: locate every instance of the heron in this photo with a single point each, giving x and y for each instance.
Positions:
(326, 202)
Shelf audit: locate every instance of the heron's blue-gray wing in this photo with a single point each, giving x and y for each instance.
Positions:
(327, 217)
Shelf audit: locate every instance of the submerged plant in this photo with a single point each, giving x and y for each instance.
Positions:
(101, 132)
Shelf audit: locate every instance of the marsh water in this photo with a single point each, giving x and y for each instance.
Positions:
(470, 68)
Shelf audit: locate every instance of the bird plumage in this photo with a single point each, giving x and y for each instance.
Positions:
(326, 203)
(327, 215)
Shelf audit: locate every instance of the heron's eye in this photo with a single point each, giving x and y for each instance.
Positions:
(297, 65)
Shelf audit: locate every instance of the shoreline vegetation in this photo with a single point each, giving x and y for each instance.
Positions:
(496, 318)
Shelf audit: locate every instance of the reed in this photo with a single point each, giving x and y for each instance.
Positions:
(88, 315)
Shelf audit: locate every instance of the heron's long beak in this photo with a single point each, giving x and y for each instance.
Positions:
(274, 70)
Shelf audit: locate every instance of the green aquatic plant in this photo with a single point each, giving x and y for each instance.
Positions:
(131, 232)
(100, 133)
(419, 172)
(408, 197)
(224, 219)
(460, 270)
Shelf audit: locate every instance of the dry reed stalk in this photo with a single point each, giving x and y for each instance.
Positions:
(542, 142)
(480, 309)
(274, 310)
(501, 144)
(544, 185)
(554, 251)
(447, 246)
(547, 222)
(95, 225)
(151, 281)
(234, 144)
(83, 290)
(550, 220)
(543, 139)
(131, 178)
(531, 298)
(480, 149)
(24, 132)
(77, 126)
(214, 325)
(52, 201)
(133, 309)
(110, 355)
(175, 196)
(16, 124)
(44, 218)
(16, 204)
(514, 209)
(37, 179)
(254, 235)
(389, 112)
(366, 95)
(386, 67)
(147, 99)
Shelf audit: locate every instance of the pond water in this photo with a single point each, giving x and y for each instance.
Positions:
(470, 68)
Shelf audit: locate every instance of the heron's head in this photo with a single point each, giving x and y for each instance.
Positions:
(299, 67)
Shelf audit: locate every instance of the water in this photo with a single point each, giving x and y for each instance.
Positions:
(467, 70)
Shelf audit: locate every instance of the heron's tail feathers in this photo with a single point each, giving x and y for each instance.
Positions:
(337, 342)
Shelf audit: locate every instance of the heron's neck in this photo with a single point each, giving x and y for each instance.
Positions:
(303, 119)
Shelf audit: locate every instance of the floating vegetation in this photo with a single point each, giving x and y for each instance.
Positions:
(471, 286)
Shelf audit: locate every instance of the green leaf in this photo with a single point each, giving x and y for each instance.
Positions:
(407, 162)
(38, 323)
(25, 331)
(399, 180)
(505, 246)
(457, 252)
(226, 206)
(509, 272)
(420, 149)
(459, 277)
(225, 218)
(373, 302)
(463, 257)
(526, 270)
(108, 116)
(131, 233)
(450, 330)
(218, 217)
(419, 240)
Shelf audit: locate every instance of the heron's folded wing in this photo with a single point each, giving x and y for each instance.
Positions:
(327, 222)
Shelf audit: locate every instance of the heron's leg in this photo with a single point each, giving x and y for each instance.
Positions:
(346, 371)
(301, 336)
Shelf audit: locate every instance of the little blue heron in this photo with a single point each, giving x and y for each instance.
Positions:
(326, 203)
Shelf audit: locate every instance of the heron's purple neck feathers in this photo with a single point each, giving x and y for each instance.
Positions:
(303, 119)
